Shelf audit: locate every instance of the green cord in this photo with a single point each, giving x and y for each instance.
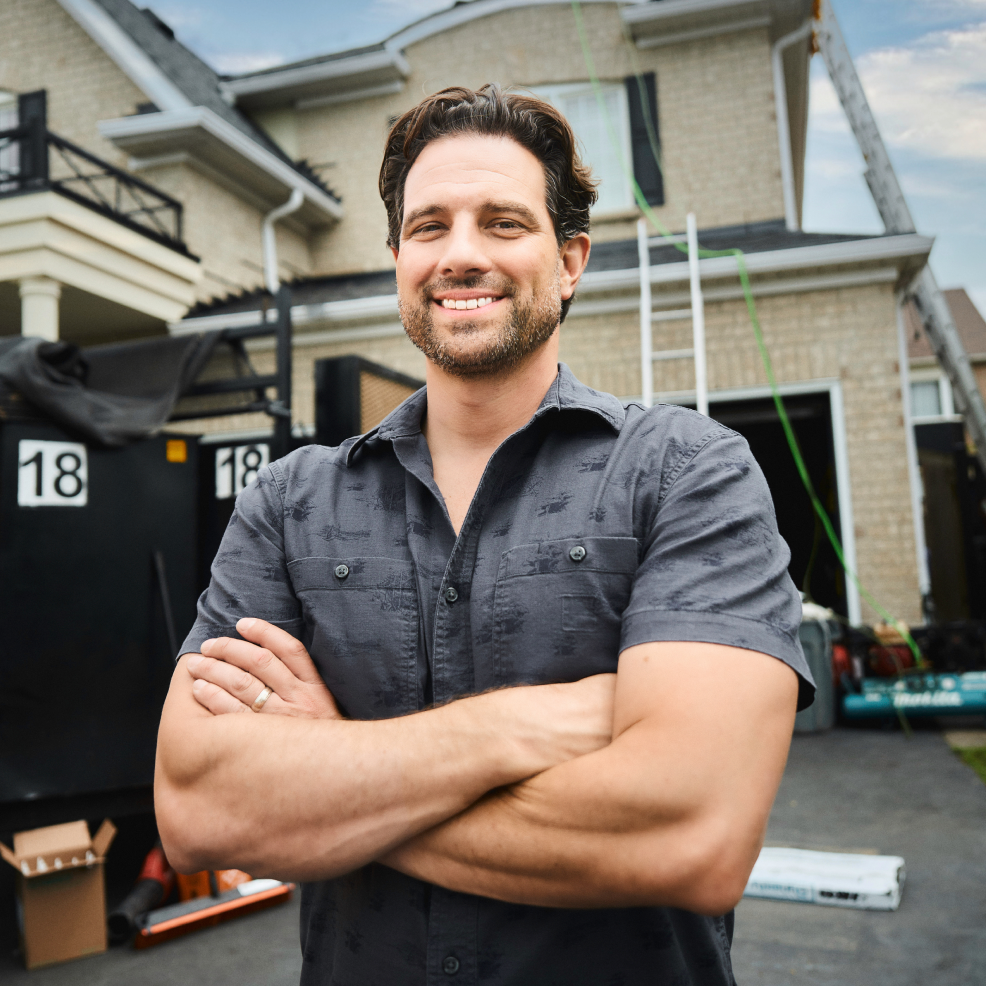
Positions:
(744, 277)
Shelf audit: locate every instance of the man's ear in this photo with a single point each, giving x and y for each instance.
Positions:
(574, 255)
(393, 251)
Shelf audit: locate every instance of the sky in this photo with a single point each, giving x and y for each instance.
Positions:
(922, 64)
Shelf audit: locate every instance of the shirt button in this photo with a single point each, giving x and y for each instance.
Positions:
(577, 553)
(451, 594)
(450, 965)
(342, 571)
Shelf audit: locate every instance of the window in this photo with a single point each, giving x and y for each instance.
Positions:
(620, 121)
(931, 398)
(925, 399)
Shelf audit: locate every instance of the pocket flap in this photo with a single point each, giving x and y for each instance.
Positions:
(309, 574)
(601, 554)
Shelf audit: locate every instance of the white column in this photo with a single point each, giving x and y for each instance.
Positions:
(646, 343)
(698, 318)
(39, 307)
(913, 470)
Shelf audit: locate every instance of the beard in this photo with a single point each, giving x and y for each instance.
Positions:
(524, 328)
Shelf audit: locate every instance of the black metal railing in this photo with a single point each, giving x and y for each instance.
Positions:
(278, 407)
(33, 159)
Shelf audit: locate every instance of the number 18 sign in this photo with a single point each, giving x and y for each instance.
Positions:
(51, 474)
(237, 467)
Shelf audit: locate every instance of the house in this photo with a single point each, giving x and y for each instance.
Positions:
(953, 484)
(719, 88)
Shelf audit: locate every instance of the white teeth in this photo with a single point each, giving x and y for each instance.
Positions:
(466, 305)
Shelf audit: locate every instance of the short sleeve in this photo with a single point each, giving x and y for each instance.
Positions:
(249, 574)
(714, 566)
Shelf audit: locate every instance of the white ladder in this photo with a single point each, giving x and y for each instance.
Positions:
(648, 317)
(890, 202)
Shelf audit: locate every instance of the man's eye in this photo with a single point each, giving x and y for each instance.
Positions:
(505, 224)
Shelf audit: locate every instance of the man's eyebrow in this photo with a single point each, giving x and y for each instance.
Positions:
(514, 208)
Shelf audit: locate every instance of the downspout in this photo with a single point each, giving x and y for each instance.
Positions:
(268, 241)
(783, 124)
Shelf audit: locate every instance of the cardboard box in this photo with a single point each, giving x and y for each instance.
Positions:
(60, 891)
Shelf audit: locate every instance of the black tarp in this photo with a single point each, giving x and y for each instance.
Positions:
(110, 395)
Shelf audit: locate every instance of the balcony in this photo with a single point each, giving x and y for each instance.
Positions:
(93, 252)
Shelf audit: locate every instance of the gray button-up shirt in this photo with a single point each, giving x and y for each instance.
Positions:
(595, 527)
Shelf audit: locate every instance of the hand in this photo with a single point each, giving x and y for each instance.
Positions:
(229, 674)
(555, 723)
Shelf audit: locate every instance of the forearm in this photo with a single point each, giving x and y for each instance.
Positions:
(594, 832)
(310, 799)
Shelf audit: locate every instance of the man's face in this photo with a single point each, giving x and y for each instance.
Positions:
(479, 272)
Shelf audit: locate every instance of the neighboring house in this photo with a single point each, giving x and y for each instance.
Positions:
(954, 486)
(727, 106)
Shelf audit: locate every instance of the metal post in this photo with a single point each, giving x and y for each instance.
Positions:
(280, 408)
(698, 319)
(646, 345)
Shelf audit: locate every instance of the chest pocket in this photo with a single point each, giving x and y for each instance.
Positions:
(558, 606)
(361, 619)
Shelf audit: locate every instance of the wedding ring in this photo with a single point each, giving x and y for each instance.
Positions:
(261, 699)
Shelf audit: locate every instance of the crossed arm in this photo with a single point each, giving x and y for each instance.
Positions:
(650, 790)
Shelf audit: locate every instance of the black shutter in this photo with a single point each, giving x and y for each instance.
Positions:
(32, 113)
(643, 130)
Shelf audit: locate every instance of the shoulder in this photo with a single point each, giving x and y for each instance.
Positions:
(666, 440)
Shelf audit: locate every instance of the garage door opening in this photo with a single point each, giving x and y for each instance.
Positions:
(814, 566)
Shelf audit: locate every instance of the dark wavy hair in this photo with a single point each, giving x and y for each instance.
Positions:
(533, 123)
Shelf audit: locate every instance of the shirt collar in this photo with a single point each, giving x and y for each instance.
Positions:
(566, 393)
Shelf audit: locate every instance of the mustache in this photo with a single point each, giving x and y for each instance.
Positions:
(495, 285)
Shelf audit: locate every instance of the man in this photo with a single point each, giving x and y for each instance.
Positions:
(421, 628)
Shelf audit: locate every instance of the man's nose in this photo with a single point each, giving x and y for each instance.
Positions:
(465, 253)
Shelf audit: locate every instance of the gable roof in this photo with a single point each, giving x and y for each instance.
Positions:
(969, 322)
(195, 80)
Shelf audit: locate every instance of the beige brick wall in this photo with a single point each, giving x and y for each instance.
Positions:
(715, 101)
(223, 229)
(42, 47)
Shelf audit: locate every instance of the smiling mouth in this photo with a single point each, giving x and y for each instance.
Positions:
(469, 304)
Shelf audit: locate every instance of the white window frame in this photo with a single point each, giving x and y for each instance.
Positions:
(555, 93)
(945, 399)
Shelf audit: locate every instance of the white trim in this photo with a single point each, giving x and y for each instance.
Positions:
(130, 132)
(727, 27)
(671, 9)
(461, 14)
(833, 388)
(913, 474)
(349, 310)
(347, 97)
(129, 57)
(847, 525)
(328, 337)
(783, 125)
(383, 63)
(900, 247)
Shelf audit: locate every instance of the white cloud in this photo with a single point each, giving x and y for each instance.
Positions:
(929, 97)
(237, 63)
